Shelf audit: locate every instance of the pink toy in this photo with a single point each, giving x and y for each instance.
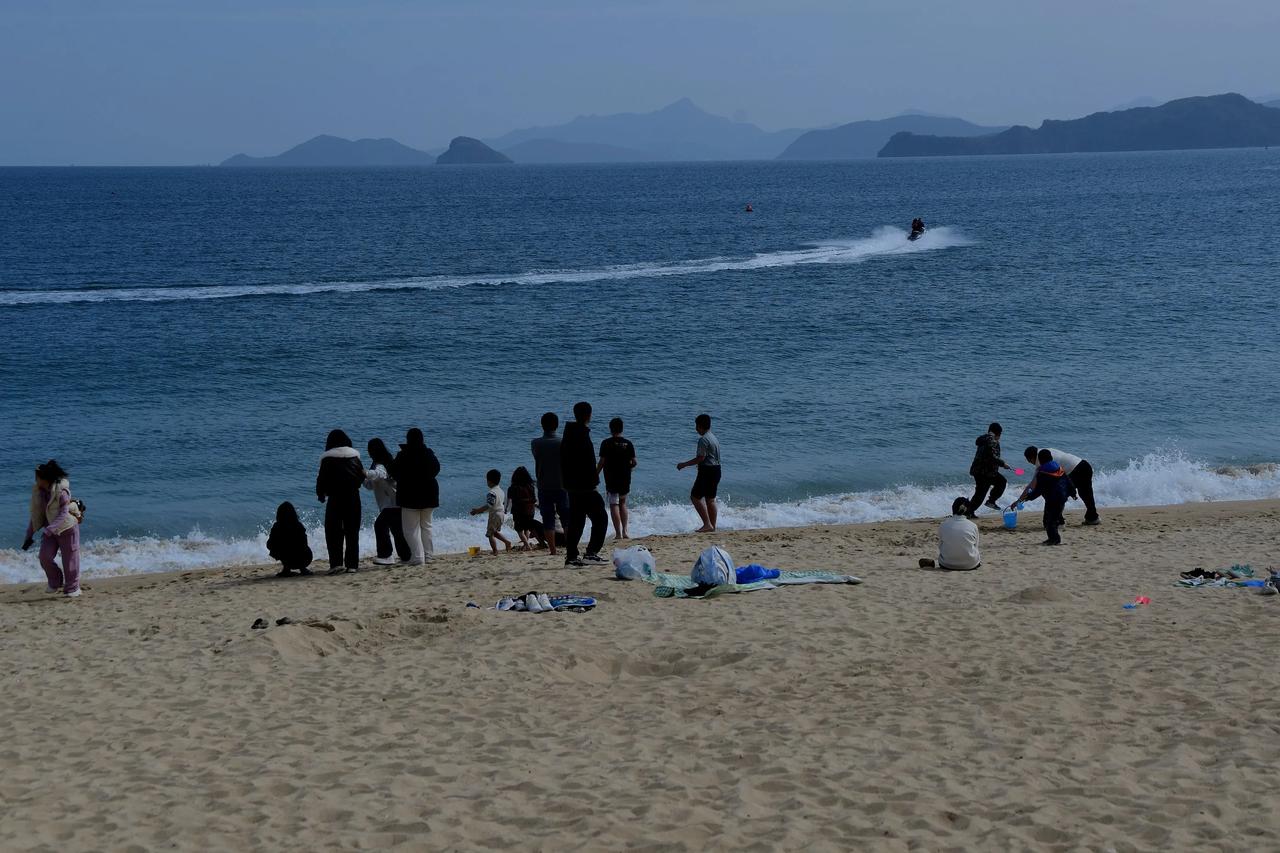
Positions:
(1019, 471)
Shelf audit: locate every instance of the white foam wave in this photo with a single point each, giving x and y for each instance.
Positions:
(1155, 480)
(884, 241)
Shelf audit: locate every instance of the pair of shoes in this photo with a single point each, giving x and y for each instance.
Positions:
(352, 570)
(507, 603)
(336, 570)
(926, 563)
(594, 558)
(72, 594)
(538, 602)
(575, 563)
(992, 505)
(52, 590)
(1198, 572)
(384, 561)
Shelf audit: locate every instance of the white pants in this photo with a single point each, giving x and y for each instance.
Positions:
(417, 529)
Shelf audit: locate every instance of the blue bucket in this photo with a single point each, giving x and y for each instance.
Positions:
(1010, 519)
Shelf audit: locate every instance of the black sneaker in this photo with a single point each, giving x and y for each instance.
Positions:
(574, 564)
(1092, 522)
(594, 558)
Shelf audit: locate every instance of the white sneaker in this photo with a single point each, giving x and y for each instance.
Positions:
(545, 602)
(75, 594)
(52, 589)
(384, 561)
(532, 604)
(506, 604)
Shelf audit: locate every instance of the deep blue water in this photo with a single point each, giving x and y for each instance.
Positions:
(1118, 305)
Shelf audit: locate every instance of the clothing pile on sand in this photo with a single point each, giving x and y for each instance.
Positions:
(1236, 577)
(541, 602)
(714, 574)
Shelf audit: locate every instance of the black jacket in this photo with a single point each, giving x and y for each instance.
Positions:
(986, 460)
(578, 459)
(415, 471)
(341, 473)
(288, 544)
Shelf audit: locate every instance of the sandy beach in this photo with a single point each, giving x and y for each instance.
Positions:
(1015, 707)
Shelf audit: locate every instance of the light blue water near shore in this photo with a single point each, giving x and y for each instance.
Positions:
(182, 339)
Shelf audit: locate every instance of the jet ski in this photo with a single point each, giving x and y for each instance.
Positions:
(916, 235)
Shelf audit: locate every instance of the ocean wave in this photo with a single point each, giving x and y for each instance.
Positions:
(884, 241)
(1157, 479)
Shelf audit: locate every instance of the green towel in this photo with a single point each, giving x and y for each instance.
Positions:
(677, 586)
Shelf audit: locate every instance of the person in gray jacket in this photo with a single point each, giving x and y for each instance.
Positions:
(552, 497)
(388, 527)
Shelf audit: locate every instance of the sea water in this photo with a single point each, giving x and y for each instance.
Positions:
(183, 339)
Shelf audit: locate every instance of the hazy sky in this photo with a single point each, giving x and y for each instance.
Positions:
(181, 81)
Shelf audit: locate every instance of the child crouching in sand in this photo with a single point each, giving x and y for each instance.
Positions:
(494, 505)
(288, 542)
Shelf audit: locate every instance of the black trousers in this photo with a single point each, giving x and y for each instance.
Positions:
(388, 528)
(1082, 479)
(1053, 507)
(342, 530)
(584, 505)
(995, 482)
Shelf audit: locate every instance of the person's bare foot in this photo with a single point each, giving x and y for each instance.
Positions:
(705, 529)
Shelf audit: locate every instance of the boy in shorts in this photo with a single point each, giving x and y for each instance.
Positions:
(494, 504)
(617, 458)
(706, 484)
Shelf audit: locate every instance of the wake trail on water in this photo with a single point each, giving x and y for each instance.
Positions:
(1158, 479)
(884, 241)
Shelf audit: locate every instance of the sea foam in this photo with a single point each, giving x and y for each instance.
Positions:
(884, 241)
(1154, 480)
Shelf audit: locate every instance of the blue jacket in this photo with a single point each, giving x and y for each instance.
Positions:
(1051, 483)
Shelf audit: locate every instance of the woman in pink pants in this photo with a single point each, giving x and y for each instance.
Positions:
(55, 517)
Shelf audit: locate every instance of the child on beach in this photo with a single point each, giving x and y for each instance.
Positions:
(706, 484)
(1052, 484)
(288, 542)
(617, 458)
(522, 501)
(494, 503)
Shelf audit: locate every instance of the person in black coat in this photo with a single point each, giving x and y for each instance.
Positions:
(288, 542)
(338, 487)
(580, 476)
(417, 492)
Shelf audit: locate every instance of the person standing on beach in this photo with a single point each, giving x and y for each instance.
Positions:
(1079, 471)
(707, 483)
(985, 470)
(55, 518)
(1052, 484)
(418, 493)
(388, 527)
(580, 477)
(617, 458)
(338, 488)
(552, 498)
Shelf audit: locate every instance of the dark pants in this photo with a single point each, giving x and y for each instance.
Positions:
(1053, 507)
(342, 530)
(995, 482)
(389, 527)
(584, 505)
(1082, 479)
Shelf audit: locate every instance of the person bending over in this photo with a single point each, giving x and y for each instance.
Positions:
(1079, 472)
(1050, 483)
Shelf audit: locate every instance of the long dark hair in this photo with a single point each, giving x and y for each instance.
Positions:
(379, 454)
(286, 514)
(51, 471)
(521, 477)
(337, 438)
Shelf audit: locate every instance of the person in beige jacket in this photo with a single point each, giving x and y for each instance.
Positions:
(55, 517)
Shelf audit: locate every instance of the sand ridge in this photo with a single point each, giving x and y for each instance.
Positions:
(1015, 707)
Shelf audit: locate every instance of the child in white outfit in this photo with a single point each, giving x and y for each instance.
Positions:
(494, 505)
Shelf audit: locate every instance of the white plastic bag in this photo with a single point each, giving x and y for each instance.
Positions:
(714, 567)
(634, 563)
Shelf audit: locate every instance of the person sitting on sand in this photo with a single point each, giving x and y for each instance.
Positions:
(55, 518)
(707, 483)
(1050, 483)
(958, 540)
(494, 504)
(1079, 471)
(288, 542)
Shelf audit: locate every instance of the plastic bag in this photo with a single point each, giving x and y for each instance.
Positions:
(634, 563)
(714, 567)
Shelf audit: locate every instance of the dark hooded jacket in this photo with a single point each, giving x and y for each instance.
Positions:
(415, 470)
(578, 459)
(986, 460)
(288, 540)
(1051, 483)
(341, 474)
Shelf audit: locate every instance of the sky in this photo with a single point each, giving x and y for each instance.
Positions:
(171, 82)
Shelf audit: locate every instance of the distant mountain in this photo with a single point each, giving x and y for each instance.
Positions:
(1142, 101)
(680, 131)
(1273, 104)
(465, 149)
(865, 138)
(335, 151)
(556, 151)
(1216, 121)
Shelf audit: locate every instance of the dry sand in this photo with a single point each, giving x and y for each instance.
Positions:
(1015, 707)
